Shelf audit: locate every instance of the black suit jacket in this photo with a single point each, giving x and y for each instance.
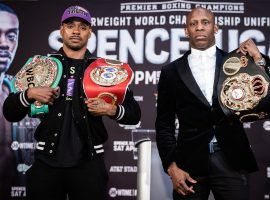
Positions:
(180, 96)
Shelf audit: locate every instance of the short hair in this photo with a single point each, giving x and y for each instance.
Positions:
(201, 8)
(6, 8)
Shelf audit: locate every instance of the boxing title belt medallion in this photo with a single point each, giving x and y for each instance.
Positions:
(38, 71)
(243, 88)
(107, 79)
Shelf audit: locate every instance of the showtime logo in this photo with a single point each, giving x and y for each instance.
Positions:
(114, 192)
(15, 145)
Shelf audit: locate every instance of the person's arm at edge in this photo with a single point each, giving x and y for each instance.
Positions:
(129, 111)
(16, 106)
(165, 122)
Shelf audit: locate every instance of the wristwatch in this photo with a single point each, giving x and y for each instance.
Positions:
(261, 62)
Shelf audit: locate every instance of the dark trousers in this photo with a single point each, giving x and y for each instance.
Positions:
(224, 182)
(84, 182)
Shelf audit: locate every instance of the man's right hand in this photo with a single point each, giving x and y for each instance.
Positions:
(179, 178)
(44, 95)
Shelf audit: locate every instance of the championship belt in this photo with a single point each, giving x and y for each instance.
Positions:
(107, 79)
(38, 71)
(243, 88)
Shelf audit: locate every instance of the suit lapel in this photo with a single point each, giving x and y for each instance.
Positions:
(185, 73)
(219, 57)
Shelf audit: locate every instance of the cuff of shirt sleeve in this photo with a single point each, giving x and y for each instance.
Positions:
(168, 161)
(120, 112)
(25, 101)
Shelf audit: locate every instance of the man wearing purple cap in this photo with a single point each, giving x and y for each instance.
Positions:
(69, 156)
(76, 11)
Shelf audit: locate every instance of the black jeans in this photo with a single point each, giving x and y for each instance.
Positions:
(84, 182)
(224, 182)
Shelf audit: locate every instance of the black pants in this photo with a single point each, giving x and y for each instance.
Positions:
(224, 182)
(85, 182)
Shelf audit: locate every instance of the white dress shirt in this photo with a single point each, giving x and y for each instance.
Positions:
(203, 65)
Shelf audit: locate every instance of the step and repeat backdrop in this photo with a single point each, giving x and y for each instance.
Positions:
(147, 35)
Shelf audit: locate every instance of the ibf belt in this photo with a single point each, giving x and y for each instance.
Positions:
(243, 88)
(38, 71)
(107, 79)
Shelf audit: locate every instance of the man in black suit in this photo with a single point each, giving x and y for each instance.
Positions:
(212, 151)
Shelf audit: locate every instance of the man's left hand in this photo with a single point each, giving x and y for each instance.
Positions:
(250, 47)
(99, 107)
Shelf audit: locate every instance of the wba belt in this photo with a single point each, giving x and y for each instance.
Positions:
(38, 71)
(243, 88)
(107, 79)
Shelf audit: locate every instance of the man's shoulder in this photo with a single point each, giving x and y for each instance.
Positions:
(222, 52)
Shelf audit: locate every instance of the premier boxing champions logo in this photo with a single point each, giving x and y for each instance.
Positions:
(181, 5)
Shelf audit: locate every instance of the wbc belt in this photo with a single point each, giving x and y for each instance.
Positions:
(107, 79)
(38, 71)
(243, 88)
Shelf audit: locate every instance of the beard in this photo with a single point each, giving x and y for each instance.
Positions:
(75, 46)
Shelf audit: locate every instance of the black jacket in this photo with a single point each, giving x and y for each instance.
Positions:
(91, 128)
(179, 95)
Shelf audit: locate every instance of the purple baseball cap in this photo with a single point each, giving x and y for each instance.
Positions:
(76, 11)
